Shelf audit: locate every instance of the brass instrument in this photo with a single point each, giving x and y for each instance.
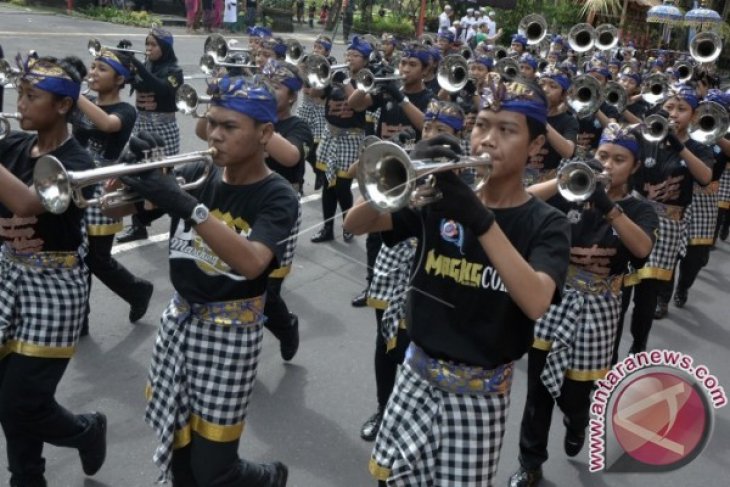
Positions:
(388, 178)
(584, 95)
(606, 37)
(217, 46)
(427, 40)
(582, 37)
(95, 47)
(8, 74)
(465, 52)
(366, 81)
(655, 88)
(209, 64)
(5, 123)
(187, 100)
(533, 27)
(655, 128)
(500, 52)
(615, 95)
(453, 73)
(507, 68)
(705, 47)
(683, 70)
(294, 51)
(57, 187)
(318, 71)
(577, 181)
(710, 122)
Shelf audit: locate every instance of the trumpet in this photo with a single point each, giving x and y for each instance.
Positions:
(208, 64)
(427, 40)
(683, 70)
(57, 187)
(500, 52)
(507, 68)
(709, 124)
(582, 37)
(217, 46)
(465, 52)
(705, 47)
(187, 100)
(655, 128)
(5, 123)
(8, 74)
(294, 51)
(453, 73)
(655, 88)
(366, 81)
(577, 181)
(318, 71)
(615, 95)
(606, 37)
(388, 178)
(95, 47)
(584, 95)
(533, 27)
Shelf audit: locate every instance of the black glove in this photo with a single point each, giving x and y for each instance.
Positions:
(600, 199)
(442, 145)
(460, 203)
(673, 142)
(404, 136)
(392, 89)
(339, 77)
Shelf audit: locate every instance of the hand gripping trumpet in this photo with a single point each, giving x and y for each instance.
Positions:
(5, 123)
(577, 181)
(57, 187)
(389, 179)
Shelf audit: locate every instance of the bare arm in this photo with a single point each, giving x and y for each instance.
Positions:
(544, 190)
(22, 200)
(363, 218)
(632, 236)
(630, 117)
(697, 168)
(603, 118)
(360, 101)
(283, 151)
(103, 121)
(201, 128)
(562, 146)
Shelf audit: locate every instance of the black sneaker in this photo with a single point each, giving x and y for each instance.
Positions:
(525, 478)
(361, 300)
(94, 453)
(680, 297)
(289, 343)
(278, 474)
(573, 441)
(724, 232)
(135, 232)
(324, 235)
(661, 310)
(370, 428)
(138, 308)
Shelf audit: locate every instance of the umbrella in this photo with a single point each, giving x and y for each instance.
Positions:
(702, 16)
(666, 13)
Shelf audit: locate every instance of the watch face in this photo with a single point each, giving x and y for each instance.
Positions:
(200, 214)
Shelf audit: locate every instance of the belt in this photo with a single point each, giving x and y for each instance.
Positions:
(459, 378)
(43, 260)
(588, 282)
(670, 212)
(240, 312)
(712, 188)
(160, 117)
(342, 132)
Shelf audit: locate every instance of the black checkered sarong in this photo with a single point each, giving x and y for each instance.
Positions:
(724, 192)
(43, 299)
(392, 267)
(202, 373)
(671, 243)
(701, 215)
(98, 224)
(337, 152)
(290, 247)
(313, 114)
(169, 131)
(433, 437)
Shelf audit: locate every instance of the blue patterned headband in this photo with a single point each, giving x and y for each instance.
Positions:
(421, 54)
(246, 96)
(48, 77)
(445, 113)
(280, 72)
(686, 93)
(363, 47)
(616, 134)
(514, 96)
(109, 57)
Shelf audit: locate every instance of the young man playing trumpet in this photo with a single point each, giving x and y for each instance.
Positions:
(491, 263)
(207, 349)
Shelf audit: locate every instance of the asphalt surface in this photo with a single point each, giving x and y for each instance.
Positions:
(308, 413)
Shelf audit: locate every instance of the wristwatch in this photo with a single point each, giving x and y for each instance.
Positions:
(199, 215)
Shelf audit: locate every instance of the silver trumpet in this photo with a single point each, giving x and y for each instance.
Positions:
(8, 74)
(217, 46)
(5, 123)
(709, 124)
(366, 81)
(427, 40)
(465, 52)
(655, 88)
(577, 181)
(507, 68)
(684, 71)
(582, 37)
(57, 187)
(606, 37)
(655, 128)
(500, 52)
(453, 73)
(615, 95)
(388, 178)
(705, 47)
(95, 47)
(318, 71)
(584, 95)
(294, 51)
(533, 27)
(187, 100)
(209, 64)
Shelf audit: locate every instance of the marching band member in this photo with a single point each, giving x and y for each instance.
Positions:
(636, 107)
(528, 66)
(518, 45)
(104, 127)
(445, 41)
(437, 431)
(341, 143)
(43, 281)
(665, 180)
(574, 339)
(206, 353)
(429, 78)
(156, 82)
(590, 127)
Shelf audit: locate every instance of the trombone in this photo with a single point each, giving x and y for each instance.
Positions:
(366, 81)
(655, 88)
(582, 37)
(453, 73)
(577, 181)
(217, 46)
(187, 100)
(5, 123)
(57, 187)
(584, 95)
(209, 63)
(388, 178)
(318, 71)
(95, 47)
(533, 27)
(709, 124)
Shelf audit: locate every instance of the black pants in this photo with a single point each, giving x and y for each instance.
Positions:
(387, 362)
(205, 463)
(723, 214)
(690, 265)
(276, 311)
(144, 218)
(642, 317)
(312, 160)
(30, 415)
(372, 247)
(341, 194)
(574, 401)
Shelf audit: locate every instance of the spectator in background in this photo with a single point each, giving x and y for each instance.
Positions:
(312, 13)
(348, 7)
(230, 15)
(300, 11)
(491, 24)
(250, 13)
(324, 13)
(191, 13)
(218, 7)
(445, 18)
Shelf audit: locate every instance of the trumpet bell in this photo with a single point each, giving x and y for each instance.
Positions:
(654, 128)
(654, 89)
(709, 124)
(500, 52)
(427, 40)
(606, 37)
(318, 72)
(294, 51)
(584, 95)
(215, 45)
(577, 181)
(507, 68)
(615, 95)
(186, 99)
(705, 47)
(533, 27)
(453, 73)
(52, 184)
(94, 47)
(207, 64)
(582, 37)
(5, 123)
(385, 176)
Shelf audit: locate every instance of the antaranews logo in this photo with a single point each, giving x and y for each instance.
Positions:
(653, 412)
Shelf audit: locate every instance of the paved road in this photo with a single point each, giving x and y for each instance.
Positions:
(308, 413)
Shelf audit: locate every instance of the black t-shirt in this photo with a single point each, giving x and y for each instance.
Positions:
(264, 212)
(433, 85)
(46, 232)
(296, 131)
(720, 163)
(638, 108)
(592, 127)
(102, 145)
(392, 117)
(595, 245)
(458, 307)
(548, 158)
(338, 112)
(664, 176)
(160, 81)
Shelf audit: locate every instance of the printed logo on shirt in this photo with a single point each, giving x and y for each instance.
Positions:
(463, 272)
(453, 233)
(667, 190)
(18, 232)
(340, 109)
(187, 244)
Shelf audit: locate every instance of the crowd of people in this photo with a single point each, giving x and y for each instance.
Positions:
(502, 264)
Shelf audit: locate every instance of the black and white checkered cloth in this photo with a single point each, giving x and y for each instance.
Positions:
(168, 131)
(430, 437)
(98, 224)
(338, 152)
(200, 371)
(291, 241)
(671, 243)
(41, 306)
(724, 194)
(701, 217)
(392, 268)
(581, 331)
(313, 114)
